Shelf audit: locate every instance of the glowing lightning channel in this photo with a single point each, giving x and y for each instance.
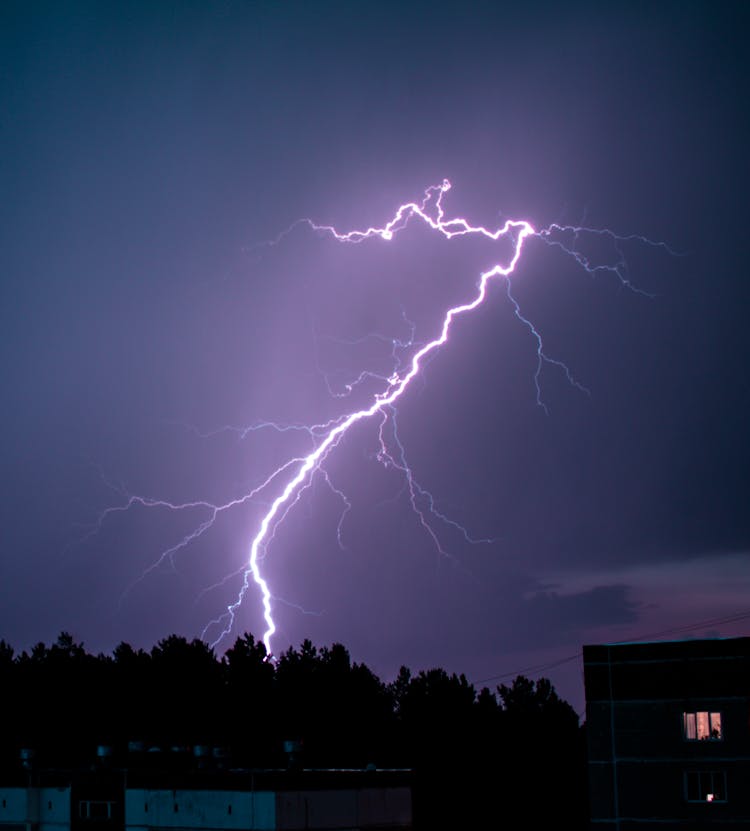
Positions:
(325, 437)
(398, 382)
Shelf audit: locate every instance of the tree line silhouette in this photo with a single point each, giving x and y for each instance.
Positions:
(474, 753)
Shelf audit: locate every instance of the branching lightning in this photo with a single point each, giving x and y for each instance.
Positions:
(296, 475)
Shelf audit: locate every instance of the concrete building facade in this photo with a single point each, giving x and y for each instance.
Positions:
(35, 808)
(668, 727)
(335, 800)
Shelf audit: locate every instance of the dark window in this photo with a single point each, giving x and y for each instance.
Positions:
(49, 806)
(94, 810)
(706, 786)
(229, 809)
(176, 807)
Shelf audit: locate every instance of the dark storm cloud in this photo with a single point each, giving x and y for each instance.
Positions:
(145, 152)
(565, 614)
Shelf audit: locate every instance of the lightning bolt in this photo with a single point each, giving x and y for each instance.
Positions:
(297, 473)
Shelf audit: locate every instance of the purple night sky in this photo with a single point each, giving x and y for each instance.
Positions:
(148, 151)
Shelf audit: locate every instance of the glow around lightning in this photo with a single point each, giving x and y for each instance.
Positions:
(396, 384)
(295, 475)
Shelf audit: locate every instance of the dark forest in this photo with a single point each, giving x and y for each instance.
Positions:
(473, 753)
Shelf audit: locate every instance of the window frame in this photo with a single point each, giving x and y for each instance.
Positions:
(703, 775)
(691, 721)
(90, 810)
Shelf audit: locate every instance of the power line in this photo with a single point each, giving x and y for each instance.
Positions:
(688, 627)
(536, 668)
(691, 627)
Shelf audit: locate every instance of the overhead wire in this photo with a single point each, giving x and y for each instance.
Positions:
(688, 627)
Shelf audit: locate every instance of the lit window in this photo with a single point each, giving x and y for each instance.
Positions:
(702, 726)
(706, 786)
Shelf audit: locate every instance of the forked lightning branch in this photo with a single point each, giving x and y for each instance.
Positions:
(283, 488)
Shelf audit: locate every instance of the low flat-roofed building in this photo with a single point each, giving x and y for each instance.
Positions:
(314, 799)
(263, 800)
(668, 727)
(36, 808)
